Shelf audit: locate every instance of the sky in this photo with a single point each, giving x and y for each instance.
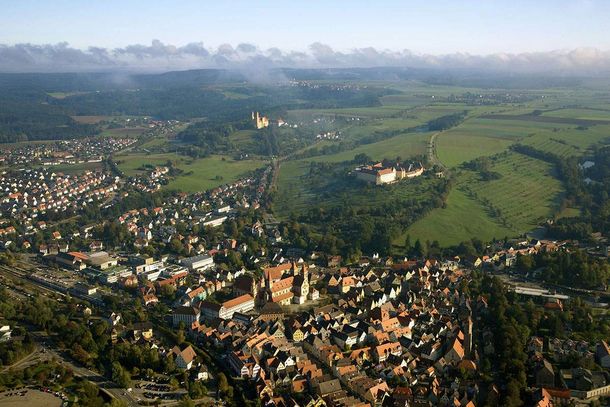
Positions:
(70, 34)
(436, 27)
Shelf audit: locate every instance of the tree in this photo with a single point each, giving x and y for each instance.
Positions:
(186, 402)
(120, 376)
(362, 158)
(180, 337)
(197, 390)
(418, 249)
(408, 243)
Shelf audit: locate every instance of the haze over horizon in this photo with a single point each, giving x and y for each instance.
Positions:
(517, 36)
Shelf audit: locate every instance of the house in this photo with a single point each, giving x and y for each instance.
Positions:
(187, 315)
(241, 304)
(455, 353)
(202, 373)
(72, 260)
(184, 357)
(199, 262)
(114, 319)
(545, 375)
(142, 330)
(328, 388)
(5, 333)
(602, 354)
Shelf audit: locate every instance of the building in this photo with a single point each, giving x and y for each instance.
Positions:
(260, 121)
(200, 262)
(243, 303)
(185, 357)
(284, 288)
(5, 333)
(187, 315)
(101, 260)
(602, 354)
(72, 260)
(382, 173)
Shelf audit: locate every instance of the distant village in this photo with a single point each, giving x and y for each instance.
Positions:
(64, 152)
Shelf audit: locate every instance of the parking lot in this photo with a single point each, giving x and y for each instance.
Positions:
(150, 390)
(31, 397)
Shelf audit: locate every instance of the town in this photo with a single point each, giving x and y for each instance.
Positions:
(294, 326)
(398, 204)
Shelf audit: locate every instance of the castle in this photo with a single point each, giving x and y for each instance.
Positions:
(381, 173)
(261, 121)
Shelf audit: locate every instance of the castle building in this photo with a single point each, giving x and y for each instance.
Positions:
(260, 121)
(379, 173)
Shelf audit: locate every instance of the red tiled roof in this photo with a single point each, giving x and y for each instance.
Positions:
(237, 301)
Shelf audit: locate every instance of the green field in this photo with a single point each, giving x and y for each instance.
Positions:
(462, 218)
(526, 194)
(569, 142)
(587, 114)
(404, 145)
(455, 147)
(198, 175)
(76, 168)
(124, 132)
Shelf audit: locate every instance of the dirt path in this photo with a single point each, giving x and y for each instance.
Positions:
(432, 156)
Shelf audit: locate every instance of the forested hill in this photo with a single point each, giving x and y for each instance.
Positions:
(40, 106)
(37, 106)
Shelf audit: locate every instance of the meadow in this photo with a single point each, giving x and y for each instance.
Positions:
(526, 194)
(197, 174)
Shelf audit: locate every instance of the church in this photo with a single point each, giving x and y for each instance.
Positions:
(287, 283)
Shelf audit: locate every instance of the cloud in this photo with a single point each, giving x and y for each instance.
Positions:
(158, 57)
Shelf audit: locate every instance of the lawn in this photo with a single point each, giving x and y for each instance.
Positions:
(202, 174)
(198, 175)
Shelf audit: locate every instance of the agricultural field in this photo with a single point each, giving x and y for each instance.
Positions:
(569, 142)
(580, 113)
(457, 146)
(124, 132)
(90, 119)
(483, 137)
(76, 168)
(462, 218)
(198, 174)
(361, 112)
(404, 145)
(526, 194)
(243, 139)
